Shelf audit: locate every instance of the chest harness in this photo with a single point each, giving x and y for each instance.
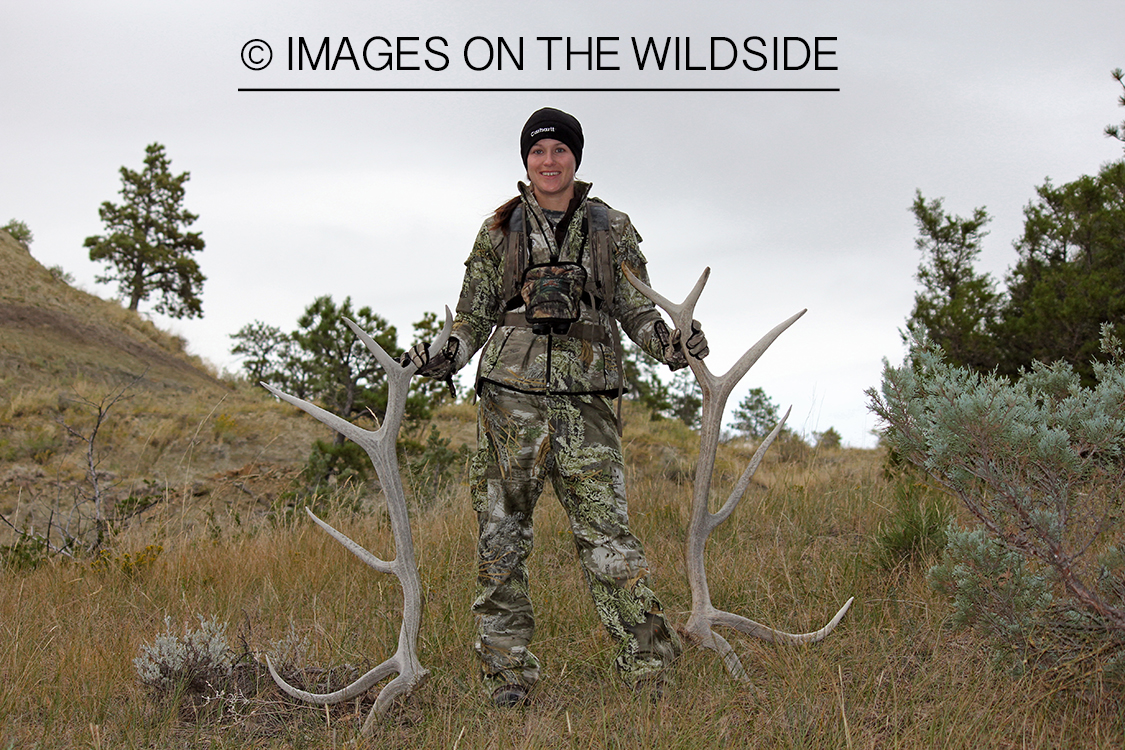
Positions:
(551, 292)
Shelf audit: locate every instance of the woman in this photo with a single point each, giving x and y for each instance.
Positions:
(543, 295)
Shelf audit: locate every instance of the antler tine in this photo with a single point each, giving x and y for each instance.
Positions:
(726, 383)
(342, 426)
(765, 633)
(389, 363)
(386, 361)
(380, 565)
(680, 314)
(703, 522)
(354, 690)
(447, 328)
(743, 482)
(380, 447)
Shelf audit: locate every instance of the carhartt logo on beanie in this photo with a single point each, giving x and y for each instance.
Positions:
(556, 125)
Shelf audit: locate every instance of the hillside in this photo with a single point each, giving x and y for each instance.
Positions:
(178, 434)
(48, 328)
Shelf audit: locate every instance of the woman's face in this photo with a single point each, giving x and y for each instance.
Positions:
(550, 167)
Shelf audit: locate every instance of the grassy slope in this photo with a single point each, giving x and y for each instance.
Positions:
(892, 675)
(178, 432)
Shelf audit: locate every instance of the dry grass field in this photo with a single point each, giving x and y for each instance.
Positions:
(223, 459)
(892, 675)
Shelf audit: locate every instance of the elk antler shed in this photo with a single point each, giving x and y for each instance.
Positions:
(380, 447)
(716, 390)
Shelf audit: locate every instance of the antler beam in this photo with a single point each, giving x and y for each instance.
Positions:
(716, 390)
(380, 447)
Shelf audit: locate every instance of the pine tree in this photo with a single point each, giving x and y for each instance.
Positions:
(1118, 131)
(957, 306)
(1070, 274)
(756, 415)
(146, 245)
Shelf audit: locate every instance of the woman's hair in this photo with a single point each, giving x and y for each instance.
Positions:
(502, 214)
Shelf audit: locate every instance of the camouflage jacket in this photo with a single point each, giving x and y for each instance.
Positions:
(587, 359)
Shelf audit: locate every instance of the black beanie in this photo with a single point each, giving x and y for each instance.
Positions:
(556, 125)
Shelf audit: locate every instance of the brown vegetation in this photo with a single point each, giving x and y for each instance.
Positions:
(180, 433)
(223, 456)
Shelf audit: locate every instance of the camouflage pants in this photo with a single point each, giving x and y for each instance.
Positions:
(524, 438)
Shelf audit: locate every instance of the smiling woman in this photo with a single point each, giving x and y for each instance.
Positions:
(550, 168)
(551, 163)
(543, 295)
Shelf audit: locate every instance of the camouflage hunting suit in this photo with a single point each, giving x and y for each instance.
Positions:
(545, 412)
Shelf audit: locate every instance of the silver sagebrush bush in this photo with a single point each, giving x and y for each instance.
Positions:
(1040, 462)
(995, 591)
(192, 661)
(290, 653)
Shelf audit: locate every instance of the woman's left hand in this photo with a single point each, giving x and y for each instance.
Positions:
(696, 344)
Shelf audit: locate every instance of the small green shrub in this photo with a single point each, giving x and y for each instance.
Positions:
(336, 461)
(791, 448)
(59, 274)
(28, 552)
(43, 446)
(432, 467)
(20, 232)
(828, 440)
(915, 530)
(129, 564)
(225, 428)
(326, 500)
(138, 501)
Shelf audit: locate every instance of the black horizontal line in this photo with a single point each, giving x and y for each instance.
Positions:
(545, 90)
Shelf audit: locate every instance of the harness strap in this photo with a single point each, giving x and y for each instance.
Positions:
(515, 255)
(591, 332)
(600, 285)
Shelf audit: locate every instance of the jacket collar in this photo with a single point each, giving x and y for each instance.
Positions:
(581, 192)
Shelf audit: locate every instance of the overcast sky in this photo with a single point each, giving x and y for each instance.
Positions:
(795, 199)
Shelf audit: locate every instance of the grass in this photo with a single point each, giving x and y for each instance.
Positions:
(223, 458)
(891, 676)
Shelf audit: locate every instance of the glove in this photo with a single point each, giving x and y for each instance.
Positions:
(439, 366)
(696, 342)
(674, 355)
